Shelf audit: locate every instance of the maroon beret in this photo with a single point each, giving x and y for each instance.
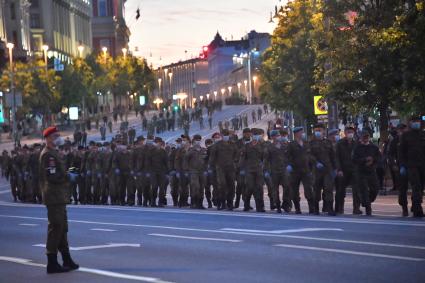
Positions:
(50, 130)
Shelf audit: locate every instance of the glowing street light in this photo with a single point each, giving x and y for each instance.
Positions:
(215, 95)
(80, 50)
(230, 90)
(208, 96)
(124, 52)
(45, 48)
(157, 102)
(239, 88)
(201, 97)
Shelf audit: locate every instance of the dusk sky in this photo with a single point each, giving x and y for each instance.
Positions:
(167, 28)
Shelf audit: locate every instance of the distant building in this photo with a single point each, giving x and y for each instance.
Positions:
(224, 74)
(109, 26)
(15, 28)
(188, 78)
(63, 25)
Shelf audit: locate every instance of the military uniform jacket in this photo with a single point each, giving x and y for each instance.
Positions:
(252, 157)
(156, 160)
(179, 158)
(361, 152)
(344, 152)
(412, 149)
(195, 160)
(224, 155)
(53, 178)
(276, 158)
(299, 157)
(323, 151)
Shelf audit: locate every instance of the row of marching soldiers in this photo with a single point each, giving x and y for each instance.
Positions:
(228, 169)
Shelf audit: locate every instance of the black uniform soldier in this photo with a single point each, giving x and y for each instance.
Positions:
(401, 181)
(275, 163)
(300, 164)
(366, 156)
(346, 172)
(324, 155)
(55, 190)
(412, 162)
(251, 161)
(223, 157)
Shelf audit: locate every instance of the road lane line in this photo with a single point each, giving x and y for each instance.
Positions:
(357, 220)
(111, 245)
(106, 273)
(394, 245)
(283, 231)
(103, 230)
(350, 252)
(4, 192)
(196, 238)
(29, 224)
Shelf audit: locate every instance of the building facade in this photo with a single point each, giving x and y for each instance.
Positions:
(109, 27)
(227, 75)
(184, 82)
(62, 25)
(15, 28)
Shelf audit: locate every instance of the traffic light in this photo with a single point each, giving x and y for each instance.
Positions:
(204, 53)
(176, 108)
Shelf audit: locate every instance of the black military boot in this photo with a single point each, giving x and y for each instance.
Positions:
(259, 206)
(237, 201)
(368, 210)
(68, 262)
(311, 207)
(278, 208)
(297, 207)
(209, 203)
(53, 266)
(418, 211)
(330, 210)
(405, 211)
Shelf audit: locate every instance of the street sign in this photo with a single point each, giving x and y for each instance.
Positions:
(142, 100)
(9, 99)
(59, 67)
(73, 113)
(320, 105)
(1, 114)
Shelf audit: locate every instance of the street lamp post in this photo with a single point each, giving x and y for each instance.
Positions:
(230, 90)
(12, 88)
(45, 49)
(104, 50)
(254, 79)
(159, 87)
(238, 59)
(124, 52)
(239, 88)
(170, 75)
(80, 50)
(158, 102)
(215, 95)
(223, 90)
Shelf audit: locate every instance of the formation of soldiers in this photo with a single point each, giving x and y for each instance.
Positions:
(228, 171)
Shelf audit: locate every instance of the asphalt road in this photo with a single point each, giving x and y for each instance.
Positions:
(123, 244)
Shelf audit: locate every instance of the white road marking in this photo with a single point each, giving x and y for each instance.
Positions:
(29, 224)
(103, 230)
(196, 238)
(350, 252)
(357, 220)
(283, 231)
(395, 245)
(106, 273)
(4, 192)
(111, 245)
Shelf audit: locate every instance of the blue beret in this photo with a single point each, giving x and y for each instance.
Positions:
(274, 133)
(297, 129)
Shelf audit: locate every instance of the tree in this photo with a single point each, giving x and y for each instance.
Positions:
(288, 65)
(360, 63)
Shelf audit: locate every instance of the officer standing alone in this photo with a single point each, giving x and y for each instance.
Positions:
(55, 191)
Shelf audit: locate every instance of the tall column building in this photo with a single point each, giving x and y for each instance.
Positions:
(63, 25)
(109, 26)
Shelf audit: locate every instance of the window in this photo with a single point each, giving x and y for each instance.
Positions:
(12, 11)
(102, 7)
(34, 3)
(35, 21)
